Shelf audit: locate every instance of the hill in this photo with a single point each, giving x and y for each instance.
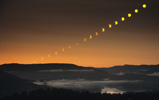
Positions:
(126, 78)
(10, 84)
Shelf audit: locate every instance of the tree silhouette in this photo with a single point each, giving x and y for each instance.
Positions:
(64, 94)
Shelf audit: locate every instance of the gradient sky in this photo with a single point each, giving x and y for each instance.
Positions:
(31, 29)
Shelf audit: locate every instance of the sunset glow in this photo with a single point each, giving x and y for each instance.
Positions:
(63, 49)
(49, 56)
(52, 34)
(56, 53)
(69, 46)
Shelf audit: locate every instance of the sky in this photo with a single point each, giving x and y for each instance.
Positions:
(32, 30)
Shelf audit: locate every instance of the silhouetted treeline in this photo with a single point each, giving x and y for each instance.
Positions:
(63, 94)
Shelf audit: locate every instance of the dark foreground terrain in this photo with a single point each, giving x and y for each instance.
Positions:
(63, 94)
(67, 82)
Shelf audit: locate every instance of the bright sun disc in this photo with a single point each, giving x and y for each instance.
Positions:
(136, 10)
(85, 40)
(144, 5)
(96, 33)
(110, 26)
(103, 29)
(63, 49)
(56, 53)
(122, 19)
(116, 22)
(90, 36)
(129, 15)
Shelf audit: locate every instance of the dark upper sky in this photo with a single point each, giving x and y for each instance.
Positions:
(32, 29)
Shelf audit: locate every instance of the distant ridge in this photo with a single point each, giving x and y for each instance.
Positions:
(54, 71)
(69, 64)
(25, 67)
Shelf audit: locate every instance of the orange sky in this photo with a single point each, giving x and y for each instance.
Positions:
(33, 29)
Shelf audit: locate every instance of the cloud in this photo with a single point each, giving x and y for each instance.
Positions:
(120, 73)
(98, 86)
(111, 90)
(154, 74)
